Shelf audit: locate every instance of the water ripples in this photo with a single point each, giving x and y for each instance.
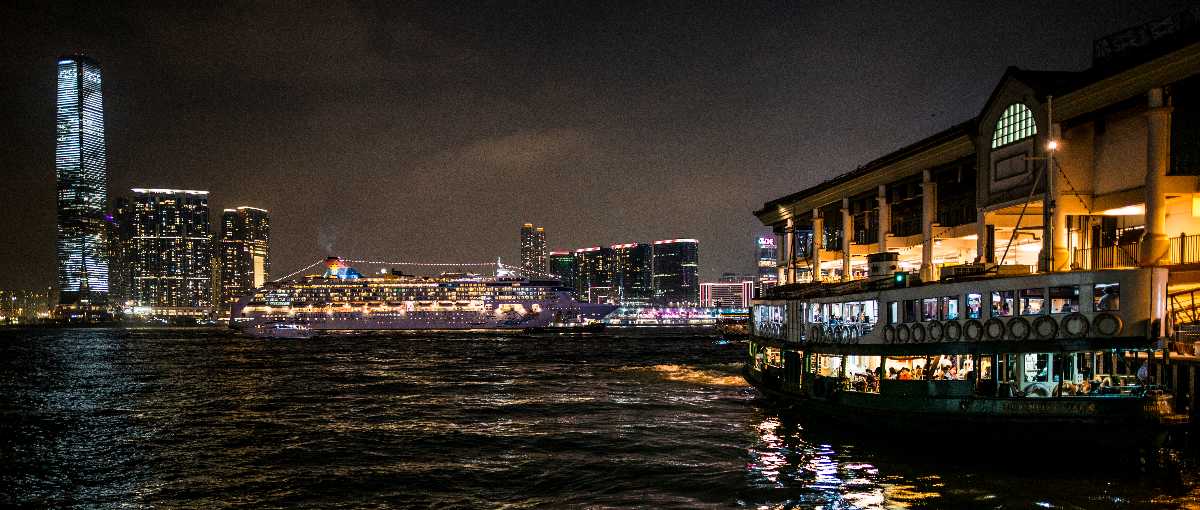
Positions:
(188, 418)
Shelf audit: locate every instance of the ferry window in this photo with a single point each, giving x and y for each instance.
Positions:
(929, 309)
(893, 312)
(974, 306)
(1037, 368)
(1107, 297)
(1032, 301)
(1002, 303)
(910, 310)
(950, 308)
(1064, 299)
(814, 310)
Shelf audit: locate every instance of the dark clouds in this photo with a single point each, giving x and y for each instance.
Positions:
(430, 131)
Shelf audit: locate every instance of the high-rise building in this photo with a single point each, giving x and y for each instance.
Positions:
(172, 252)
(245, 264)
(533, 249)
(676, 272)
(81, 248)
(562, 265)
(767, 255)
(594, 275)
(120, 253)
(633, 273)
(727, 294)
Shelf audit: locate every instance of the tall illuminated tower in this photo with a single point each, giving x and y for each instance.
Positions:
(533, 250)
(82, 183)
(245, 243)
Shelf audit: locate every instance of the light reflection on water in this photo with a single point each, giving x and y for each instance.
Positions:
(190, 418)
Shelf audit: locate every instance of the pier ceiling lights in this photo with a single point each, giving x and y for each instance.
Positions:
(1129, 210)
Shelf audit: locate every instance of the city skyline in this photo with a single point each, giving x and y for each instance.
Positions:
(601, 155)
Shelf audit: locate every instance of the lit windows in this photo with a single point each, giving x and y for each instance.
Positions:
(1015, 124)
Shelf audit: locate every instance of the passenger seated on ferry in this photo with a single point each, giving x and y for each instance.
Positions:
(1109, 300)
(905, 374)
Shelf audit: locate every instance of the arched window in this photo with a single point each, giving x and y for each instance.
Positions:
(1015, 124)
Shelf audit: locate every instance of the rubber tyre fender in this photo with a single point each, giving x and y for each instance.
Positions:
(954, 331)
(903, 334)
(973, 330)
(848, 334)
(994, 329)
(918, 333)
(937, 332)
(814, 334)
(1075, 325)
(1019, 328)
(889, 334)
(1045, 328)
(1107, 324)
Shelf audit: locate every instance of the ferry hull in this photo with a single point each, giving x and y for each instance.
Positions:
(1113, 422)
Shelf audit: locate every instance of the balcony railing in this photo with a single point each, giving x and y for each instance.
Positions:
(1185, 249)
(1106, 257)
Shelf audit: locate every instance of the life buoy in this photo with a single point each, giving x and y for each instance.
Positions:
(814, 335)
(903, 335)
(936, 332)
(889, 334)
(1045, 328)
(1107, 324)
(918, 333)
(1018, 328)
(848, 333)
(993, 329)
(973, 330)
(1075, 325)
(954, 331)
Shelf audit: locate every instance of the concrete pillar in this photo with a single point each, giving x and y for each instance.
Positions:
(980, 236)
(847, 238)
(928, 218)
(789, 252)
(1062, 238)
(1155, 245)
(818, 240)
(885, 218)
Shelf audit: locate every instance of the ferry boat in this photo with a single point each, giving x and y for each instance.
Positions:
(344, 300)
(1049, 357)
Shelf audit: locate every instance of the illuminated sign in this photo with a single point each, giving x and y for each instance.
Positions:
(766, 242)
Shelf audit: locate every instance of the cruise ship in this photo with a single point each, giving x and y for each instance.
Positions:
(344, 300)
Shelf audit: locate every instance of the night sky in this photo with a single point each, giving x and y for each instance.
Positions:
(431, 131)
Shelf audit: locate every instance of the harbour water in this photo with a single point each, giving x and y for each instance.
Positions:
(191, 418)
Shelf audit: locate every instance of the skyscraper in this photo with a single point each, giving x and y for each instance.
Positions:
(82, 183)
(594, 275)
(120, 252)
(172, 252)
(533, 249)
(633, 273)
(245, 264)
(676, 268)
(562, 264)
(767, 255)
